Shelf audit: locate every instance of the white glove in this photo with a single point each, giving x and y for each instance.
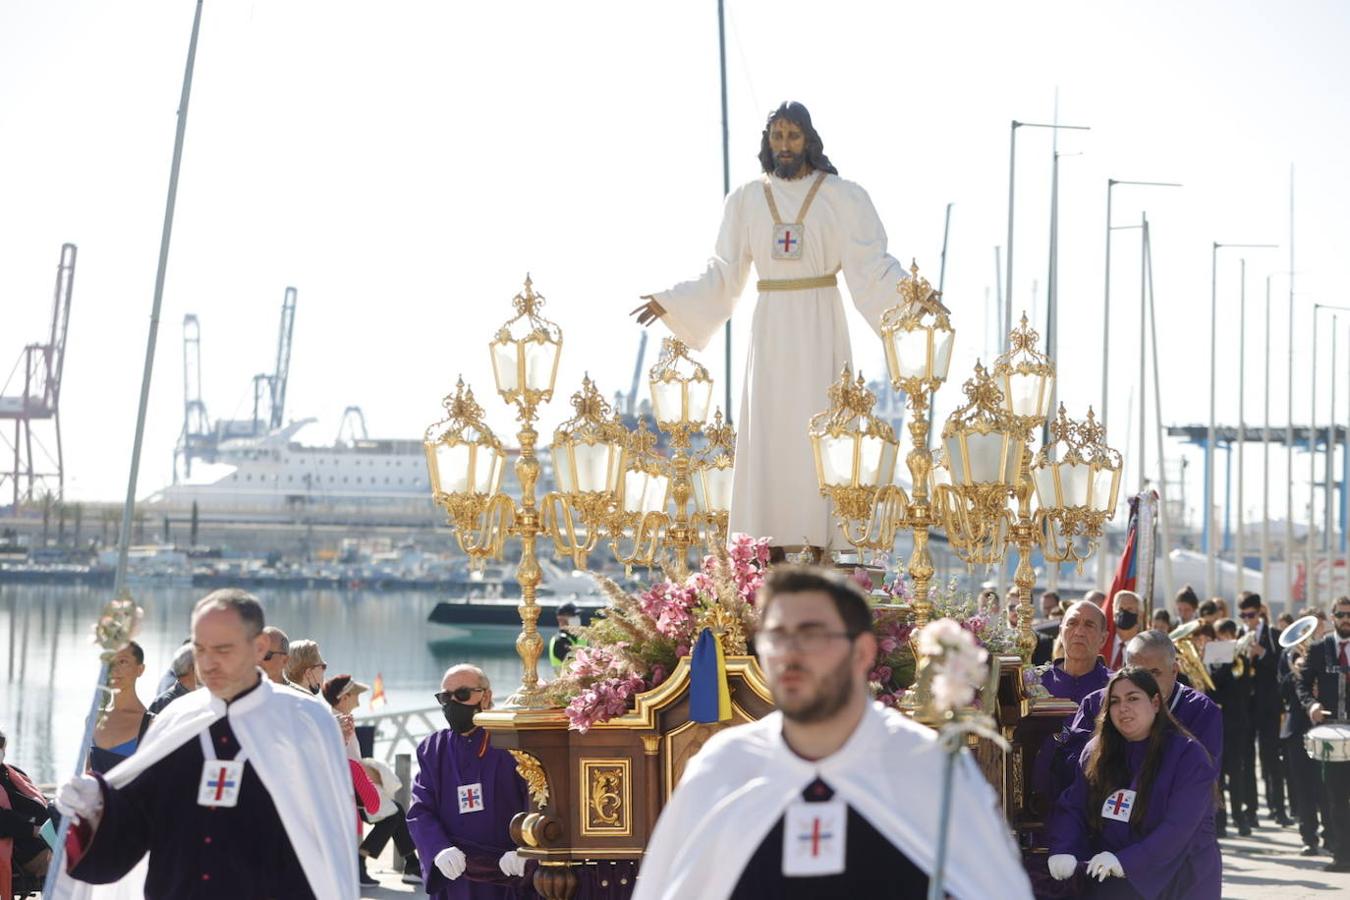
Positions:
(1062, 866)
(80, 796)
(511, 864)
(451, 862)
(1104, 865)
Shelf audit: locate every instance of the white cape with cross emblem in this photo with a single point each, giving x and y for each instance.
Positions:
(294, 744)
(745, 778)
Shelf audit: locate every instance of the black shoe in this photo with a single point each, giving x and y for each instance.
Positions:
(1244, 830)
(1334, 866)
(1283, 821)
(1309, 850)
(365, 877)
(1221, 833)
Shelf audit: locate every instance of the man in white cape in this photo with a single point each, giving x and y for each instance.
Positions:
(800, 224)
(832, 795)
(240, 790)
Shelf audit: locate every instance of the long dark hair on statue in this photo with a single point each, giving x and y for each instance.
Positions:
(1106, 770)
(797, 114)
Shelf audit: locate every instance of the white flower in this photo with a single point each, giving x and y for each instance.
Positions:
(939, 635)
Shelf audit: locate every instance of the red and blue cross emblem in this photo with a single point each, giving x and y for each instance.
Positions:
(1119, 803)
(220, 783)
(817, 834)
(788, 241)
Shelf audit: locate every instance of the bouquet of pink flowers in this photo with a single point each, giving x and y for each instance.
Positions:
(635, 643)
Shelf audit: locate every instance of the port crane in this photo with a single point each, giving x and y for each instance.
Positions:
(36, 377)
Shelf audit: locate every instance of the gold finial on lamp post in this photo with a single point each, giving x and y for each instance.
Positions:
(1077, 478)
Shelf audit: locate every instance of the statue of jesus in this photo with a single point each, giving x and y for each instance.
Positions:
(801, 224)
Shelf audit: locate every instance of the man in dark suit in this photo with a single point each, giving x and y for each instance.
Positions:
(1263, 655)
(1322, 690)
(1306, 797)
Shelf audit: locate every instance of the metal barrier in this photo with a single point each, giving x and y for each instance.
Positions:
(402, 730)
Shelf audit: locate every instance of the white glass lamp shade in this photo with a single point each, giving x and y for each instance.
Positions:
(644, 492)
(854, 460)
(463, 467)
(531, 364)
(1027, 395)
(587, 468)
(921, 352)
(977, 459)
(682, 402)
(1105, 487)
(712, 488)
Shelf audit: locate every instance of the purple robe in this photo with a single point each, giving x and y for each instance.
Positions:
(448, 762)
(1174, 854)
(1075, 687)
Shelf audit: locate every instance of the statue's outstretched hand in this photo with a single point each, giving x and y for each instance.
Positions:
(648, 312)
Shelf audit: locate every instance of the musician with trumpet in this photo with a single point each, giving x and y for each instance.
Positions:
(1306, 798)
(1233, 692)
(1259, 643)
(1323, 689)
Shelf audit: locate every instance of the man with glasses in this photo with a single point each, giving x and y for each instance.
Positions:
(832, 795)
(277, 655)
(463, 799)
(1263, 656)
(1324, 691)
(184, 680)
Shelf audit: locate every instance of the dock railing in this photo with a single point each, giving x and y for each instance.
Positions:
(401, 732)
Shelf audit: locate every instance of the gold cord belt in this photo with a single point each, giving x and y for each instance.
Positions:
(798, 284)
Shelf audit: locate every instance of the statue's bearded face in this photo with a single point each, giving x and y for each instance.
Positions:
(788, 143)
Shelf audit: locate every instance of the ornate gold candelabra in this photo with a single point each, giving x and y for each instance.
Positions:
(981, 490)
(465, 461)
(643, 497)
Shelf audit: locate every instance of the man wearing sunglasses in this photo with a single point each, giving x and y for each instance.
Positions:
(832, 795)
(1324, 690)
(463, 799)
(277, 656)
(1263, 655)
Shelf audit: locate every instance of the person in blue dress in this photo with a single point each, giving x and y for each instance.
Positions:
(1138, 818)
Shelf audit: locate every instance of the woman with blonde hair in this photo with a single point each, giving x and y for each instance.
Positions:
(305, 668)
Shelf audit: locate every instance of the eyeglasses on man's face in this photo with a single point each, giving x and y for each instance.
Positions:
(804, 640)
(459, 695)
(1342, 614)
(271, 654)
(1251, 615)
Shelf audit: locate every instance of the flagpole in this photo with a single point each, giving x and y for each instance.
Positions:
(726, 177)
(124, 535)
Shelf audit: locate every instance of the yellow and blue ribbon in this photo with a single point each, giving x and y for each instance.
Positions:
(709, 696)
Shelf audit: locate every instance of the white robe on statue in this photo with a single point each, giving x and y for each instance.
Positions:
(295, 746)
(799, 339)
(890, 771)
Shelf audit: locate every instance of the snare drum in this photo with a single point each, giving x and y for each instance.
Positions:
(1328, 742)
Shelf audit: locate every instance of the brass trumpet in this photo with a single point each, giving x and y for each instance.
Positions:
(1192, 663)
(1242, 667)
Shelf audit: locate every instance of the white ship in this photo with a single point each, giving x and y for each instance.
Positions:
(273, 473)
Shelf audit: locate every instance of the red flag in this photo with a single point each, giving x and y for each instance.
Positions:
(1124, 579)
(377, 698)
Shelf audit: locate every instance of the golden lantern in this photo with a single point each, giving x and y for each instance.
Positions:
(645, 485)
(463, 455)
(1077, 480)
(681, 392)
(855, 452)
(525, 353)
(588, 463)
(982, 441)
(1026, 377)
(714, 473)
(918, 337)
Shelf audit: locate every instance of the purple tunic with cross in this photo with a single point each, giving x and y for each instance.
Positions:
(464, 795)
(1172, 854)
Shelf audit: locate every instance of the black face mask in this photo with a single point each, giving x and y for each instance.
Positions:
(460, 715)
(1126, 619)
(315, 689)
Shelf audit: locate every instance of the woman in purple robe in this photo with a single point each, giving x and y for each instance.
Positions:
(1137, 818)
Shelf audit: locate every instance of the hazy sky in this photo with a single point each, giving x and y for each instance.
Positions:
(405, 164)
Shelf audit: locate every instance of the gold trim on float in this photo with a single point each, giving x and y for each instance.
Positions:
(521, 719)
(643, 714)
(607, 805)
(579, 855)
(531, 770)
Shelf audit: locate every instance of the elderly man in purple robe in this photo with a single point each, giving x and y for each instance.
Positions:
(463, 799)
(1078, 674)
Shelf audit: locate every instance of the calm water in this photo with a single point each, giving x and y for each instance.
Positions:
(50, 664)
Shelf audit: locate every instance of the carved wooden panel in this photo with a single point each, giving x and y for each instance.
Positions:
(684, 741)
(606, 802)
